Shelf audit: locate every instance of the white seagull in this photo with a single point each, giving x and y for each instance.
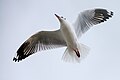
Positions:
(66, 36)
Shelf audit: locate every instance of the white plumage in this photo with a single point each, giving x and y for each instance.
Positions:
(66, 36)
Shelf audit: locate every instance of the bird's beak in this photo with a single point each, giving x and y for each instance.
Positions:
(58, 17)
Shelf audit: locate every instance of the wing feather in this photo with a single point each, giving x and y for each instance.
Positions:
(88, 18)
(43, 40)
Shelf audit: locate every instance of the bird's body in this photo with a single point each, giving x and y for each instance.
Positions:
(66, 36)
(70, 37)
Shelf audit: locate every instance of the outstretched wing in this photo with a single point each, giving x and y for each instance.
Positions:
(40, 41)
(88, 18)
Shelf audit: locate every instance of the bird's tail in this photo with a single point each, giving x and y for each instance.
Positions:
(70, 55)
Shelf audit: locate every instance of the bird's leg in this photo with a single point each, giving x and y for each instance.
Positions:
(77, 52)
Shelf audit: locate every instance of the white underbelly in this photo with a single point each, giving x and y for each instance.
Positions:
(69, 36)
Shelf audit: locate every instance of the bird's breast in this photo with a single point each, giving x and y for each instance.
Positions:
(69, 34)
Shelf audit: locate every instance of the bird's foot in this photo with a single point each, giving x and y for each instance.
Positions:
(77, 52)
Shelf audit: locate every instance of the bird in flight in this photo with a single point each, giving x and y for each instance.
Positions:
(67, 36)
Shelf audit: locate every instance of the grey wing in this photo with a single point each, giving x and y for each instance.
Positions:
(88, 18)
(40, 41)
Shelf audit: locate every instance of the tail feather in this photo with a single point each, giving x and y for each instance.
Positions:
(70, 55)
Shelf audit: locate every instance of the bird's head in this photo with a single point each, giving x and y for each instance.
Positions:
(60, 18)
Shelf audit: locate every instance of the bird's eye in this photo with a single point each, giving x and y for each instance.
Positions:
(61, 16)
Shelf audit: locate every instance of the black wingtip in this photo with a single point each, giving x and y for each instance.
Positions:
(20, 52)
(111, 13)
(106, 14)
(15, 59)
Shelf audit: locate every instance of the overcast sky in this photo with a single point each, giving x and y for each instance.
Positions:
(19, 19)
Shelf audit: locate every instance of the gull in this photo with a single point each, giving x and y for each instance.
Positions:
(67, 36)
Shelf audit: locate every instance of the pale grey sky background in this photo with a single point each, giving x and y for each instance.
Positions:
(19, 19)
